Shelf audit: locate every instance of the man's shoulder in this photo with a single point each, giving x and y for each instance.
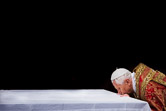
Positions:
(160, 78)
(139, 67)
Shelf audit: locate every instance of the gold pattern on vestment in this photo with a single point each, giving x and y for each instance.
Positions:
(138, 70)
(159, 78)
(145, 81)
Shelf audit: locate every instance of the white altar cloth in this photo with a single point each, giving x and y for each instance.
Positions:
(68, 100)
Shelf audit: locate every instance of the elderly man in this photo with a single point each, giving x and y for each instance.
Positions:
(144, 82)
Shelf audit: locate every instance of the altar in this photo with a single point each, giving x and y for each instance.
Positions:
(68, 100)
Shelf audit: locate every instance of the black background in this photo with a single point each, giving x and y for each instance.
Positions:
(76, 64)
(76, 50)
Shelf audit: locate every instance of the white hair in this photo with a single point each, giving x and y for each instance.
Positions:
(121, 79)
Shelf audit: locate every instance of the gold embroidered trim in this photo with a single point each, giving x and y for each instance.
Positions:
(159, 78)
(146, 80)
(138, 71)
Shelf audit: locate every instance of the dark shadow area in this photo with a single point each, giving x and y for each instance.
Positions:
(72, 70)
(78, 66)
(78, 51)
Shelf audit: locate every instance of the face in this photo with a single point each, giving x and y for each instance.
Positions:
(125, 88)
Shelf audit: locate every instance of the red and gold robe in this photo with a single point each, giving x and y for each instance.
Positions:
(151, 87)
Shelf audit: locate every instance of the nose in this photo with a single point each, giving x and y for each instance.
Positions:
(119, 92)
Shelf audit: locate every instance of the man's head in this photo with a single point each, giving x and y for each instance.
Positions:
(122, 81)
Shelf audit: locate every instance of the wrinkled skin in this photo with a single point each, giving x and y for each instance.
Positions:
(125, 88)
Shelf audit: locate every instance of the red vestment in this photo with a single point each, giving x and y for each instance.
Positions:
(151, 87)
